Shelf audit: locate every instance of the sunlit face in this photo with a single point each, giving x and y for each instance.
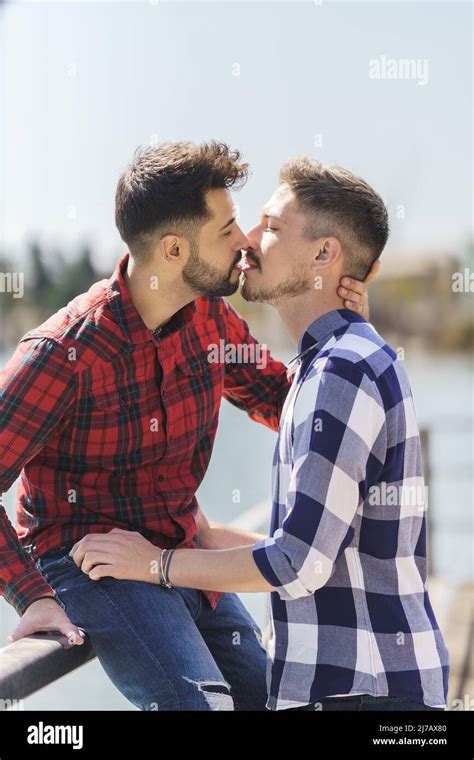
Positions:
(211, 268)
(280, 256)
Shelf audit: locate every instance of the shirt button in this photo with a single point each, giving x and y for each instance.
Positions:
(161, 478)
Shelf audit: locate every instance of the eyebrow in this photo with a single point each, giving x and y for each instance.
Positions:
(227, 224)
(267, 212)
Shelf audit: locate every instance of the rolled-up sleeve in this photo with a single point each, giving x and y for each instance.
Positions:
(338, 438)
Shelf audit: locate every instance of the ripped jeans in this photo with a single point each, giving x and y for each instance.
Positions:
(164, 649)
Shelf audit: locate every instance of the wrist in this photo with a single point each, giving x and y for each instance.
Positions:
(52, 597)
(152, 566)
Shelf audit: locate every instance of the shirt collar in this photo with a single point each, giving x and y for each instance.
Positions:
(126, 314)
(320, 331)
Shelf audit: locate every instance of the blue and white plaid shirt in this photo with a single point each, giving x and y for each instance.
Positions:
(350, 613)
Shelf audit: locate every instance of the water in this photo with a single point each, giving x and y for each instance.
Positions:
(239, 477)
(443, 393)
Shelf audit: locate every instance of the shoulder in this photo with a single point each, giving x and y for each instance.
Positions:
(359, 360)
(347, 369)
(360, 350)
(34, 357)
(74, 327)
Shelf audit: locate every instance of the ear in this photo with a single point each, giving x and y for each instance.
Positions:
(328, 250)
(173, 248)
(169, 247)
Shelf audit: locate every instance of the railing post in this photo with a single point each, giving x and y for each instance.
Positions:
(425, 451)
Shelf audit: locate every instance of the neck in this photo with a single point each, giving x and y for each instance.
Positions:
(299, 312)
(155, 299)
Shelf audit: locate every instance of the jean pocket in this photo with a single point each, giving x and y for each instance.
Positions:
(54, 557)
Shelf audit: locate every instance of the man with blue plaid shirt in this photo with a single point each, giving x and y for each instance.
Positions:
(352, 627)
(347, 557)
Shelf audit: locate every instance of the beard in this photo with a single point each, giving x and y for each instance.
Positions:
(206, 280)
(295, 286)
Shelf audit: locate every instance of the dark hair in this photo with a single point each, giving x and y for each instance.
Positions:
(340, 204)
(164, 188)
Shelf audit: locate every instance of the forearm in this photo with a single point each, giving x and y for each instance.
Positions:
(221, 536)
(232, 570)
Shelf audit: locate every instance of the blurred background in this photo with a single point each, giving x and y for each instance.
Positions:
(384, 89)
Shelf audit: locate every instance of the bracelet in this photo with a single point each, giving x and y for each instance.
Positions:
(165, 561)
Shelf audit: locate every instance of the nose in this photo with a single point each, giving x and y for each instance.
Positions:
(254, 237)
(243, 241)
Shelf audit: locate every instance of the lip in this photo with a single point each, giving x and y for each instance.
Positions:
(244, 265)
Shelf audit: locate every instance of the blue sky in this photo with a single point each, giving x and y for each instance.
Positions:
(84, 83)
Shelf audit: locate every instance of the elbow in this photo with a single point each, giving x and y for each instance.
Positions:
(311, 577)
(291, 575)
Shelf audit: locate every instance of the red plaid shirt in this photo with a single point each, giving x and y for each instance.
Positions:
(110, 424)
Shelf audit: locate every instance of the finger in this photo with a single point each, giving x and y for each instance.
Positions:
(353, 306)
(67, 628)
(355, 286)
(79, 544)
(73, 634)
(24, 628)
(95, 558)
(97, 542)
(20, 635)
(88, 537)
(351, 295)
(104, 571)
(373, 272)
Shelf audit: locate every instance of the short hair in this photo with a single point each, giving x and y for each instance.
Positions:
(339, 204)
(163, 190)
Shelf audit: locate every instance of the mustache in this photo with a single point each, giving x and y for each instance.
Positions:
(250, 254)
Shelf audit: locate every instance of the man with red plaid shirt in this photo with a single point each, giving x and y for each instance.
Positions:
(108, 412)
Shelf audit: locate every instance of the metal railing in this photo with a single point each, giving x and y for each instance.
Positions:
(36, 661)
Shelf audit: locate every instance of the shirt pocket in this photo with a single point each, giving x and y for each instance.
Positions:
(118, 421)
(196, 364)
(104, 418)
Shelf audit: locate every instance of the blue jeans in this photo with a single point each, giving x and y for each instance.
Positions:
(367, 702)
(164, 649)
